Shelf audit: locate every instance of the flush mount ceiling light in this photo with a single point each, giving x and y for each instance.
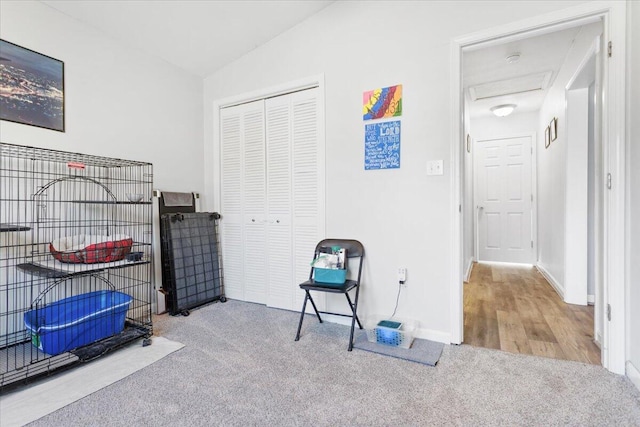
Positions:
(513, 58)
(503, 110)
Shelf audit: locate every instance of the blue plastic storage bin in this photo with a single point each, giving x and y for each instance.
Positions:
(330, 275)
(394, 332)
(76, 321)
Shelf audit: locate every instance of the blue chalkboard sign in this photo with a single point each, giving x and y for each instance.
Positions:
(382, 145)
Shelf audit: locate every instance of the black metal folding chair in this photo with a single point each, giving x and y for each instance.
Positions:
(354, 249)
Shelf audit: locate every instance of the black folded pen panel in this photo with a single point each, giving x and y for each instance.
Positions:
(192, 272)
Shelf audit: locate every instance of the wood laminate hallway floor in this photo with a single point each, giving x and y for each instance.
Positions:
(514, 308)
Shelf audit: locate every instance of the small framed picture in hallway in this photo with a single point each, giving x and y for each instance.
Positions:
(547, 137)
(554, 128)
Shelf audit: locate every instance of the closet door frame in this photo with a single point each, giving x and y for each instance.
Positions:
(310, 82)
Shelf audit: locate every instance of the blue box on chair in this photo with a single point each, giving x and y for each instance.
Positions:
(330, 275)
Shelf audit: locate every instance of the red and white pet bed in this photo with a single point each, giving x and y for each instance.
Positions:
(88, 249)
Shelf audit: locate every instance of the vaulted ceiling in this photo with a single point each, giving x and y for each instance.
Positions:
(200, 36)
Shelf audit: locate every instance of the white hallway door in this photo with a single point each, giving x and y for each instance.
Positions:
(503, 200)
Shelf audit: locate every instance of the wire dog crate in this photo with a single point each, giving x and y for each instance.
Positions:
(192, 270)
(75, 258)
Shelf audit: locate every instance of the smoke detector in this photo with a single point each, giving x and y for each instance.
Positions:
(513, 58)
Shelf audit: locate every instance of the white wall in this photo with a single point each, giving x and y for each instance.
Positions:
(119, 102)
(516, 124)
(401, 216)
(552, 174)
(576, 204)
(633, 147)
(591, 202)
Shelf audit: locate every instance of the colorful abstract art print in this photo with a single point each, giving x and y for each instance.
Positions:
(382, 103)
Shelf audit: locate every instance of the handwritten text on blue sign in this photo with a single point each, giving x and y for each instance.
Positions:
(382, 145)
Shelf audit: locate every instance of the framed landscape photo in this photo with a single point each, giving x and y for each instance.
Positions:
(31, 87)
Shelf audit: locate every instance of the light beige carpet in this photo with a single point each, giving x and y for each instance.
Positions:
(241, 367)
(27, 404)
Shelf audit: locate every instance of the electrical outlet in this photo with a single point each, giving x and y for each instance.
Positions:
(402, 275)
(435, 167)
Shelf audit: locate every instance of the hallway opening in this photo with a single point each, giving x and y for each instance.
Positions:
(512, 307)
(531, 193)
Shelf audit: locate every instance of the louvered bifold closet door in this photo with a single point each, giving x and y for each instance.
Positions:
(308, 184)
(295, 200)
(243, 201)
(280, 282)
(254, 198)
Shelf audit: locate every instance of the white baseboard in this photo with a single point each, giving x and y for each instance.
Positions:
(467, 275)
(340, 320)
(430, 334)
(591, 299)
(552, 280)
(633, 374)
(426, 334)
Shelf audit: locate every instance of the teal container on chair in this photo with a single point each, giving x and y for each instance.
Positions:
(330, 275)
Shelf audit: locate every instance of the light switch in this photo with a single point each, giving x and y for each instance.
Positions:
(435, 167)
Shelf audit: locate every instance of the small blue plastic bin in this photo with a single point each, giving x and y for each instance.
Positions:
(394, 332)
(330, 275)
(76, 321)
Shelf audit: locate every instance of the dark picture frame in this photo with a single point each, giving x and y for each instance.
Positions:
(553, 126)
(31, 87)
(547, 137)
